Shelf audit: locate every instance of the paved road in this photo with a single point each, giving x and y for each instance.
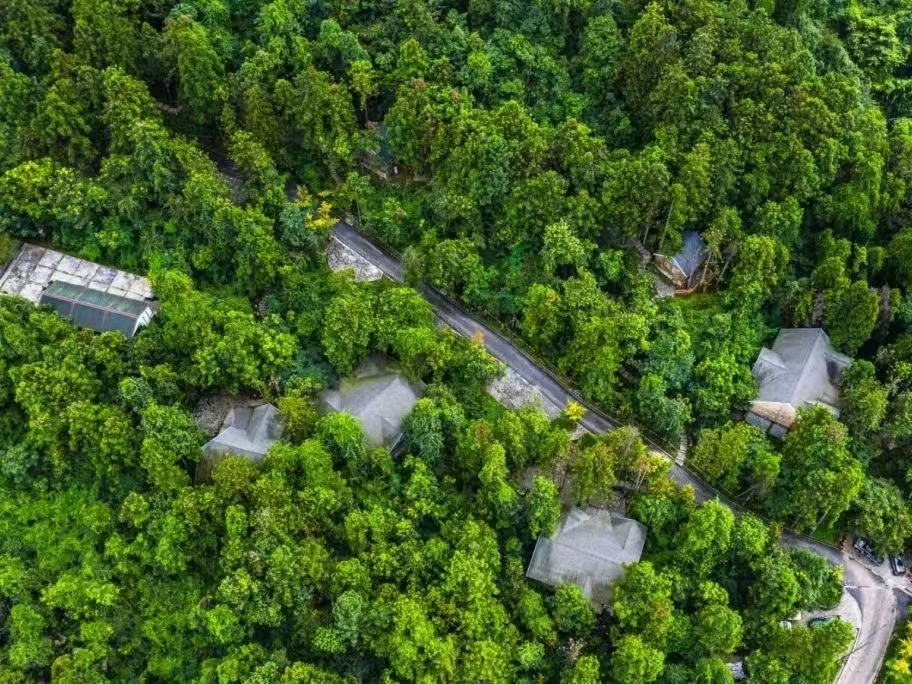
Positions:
(879, 614)
(505, 351)
(879, 604)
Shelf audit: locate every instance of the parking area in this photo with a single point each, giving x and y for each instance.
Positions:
(894, 572)
(847, 609)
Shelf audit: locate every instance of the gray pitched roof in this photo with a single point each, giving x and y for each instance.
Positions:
(692, 255)
(247, 432)
(683, 267)
(379, 398)
(801, 369)
(590, 550)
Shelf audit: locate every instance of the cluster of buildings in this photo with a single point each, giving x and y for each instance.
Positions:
(801, 369)
(378, 395)
(591, 547)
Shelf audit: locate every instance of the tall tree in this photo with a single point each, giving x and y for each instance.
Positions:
(820, 478)
(197, 66)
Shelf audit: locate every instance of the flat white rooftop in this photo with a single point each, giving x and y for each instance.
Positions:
(34, 268)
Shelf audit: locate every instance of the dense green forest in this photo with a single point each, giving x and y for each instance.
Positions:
(335, 562)
(520, 155)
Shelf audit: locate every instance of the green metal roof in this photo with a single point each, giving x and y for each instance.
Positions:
(92, 309)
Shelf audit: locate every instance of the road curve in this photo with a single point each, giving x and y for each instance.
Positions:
(879, 605)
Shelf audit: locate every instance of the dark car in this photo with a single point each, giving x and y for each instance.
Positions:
(896, 564)
(821, 621)
(864, 547)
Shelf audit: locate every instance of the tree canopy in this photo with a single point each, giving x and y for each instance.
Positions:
(527, 159)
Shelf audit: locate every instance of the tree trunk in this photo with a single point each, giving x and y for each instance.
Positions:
(727, 262)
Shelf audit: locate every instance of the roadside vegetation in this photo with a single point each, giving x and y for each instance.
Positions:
(523, 157)
(898, 666)
(335, 561)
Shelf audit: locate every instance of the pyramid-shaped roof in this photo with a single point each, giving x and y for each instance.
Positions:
(590, 549)
(247, 432)
(379, 397)
(801, 369)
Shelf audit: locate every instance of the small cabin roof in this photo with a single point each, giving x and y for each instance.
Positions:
(692, 254)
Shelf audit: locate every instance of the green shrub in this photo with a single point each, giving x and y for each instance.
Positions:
(7, 248)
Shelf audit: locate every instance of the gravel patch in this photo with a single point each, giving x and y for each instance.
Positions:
(210, 412)
(514, 392)
(578, 433)
(340, 257)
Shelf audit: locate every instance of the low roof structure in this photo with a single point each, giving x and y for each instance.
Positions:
(801, 369)
(590, 550)
(379, 396)
(96, 310)
(248, 432)
(379, 161)
(736, 667)
(683, 269)
(93, 296)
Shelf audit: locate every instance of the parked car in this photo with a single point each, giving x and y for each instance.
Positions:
(821, 621)
(866, 549)
(896, 564)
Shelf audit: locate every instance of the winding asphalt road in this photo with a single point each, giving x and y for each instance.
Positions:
(508, 353)
(879, 604)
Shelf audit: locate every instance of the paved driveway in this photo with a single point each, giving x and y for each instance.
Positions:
(881, 600)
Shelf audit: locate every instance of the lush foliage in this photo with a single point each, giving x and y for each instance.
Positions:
(898, 668)
(335, 561)
(519, 155)
(523, 156)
